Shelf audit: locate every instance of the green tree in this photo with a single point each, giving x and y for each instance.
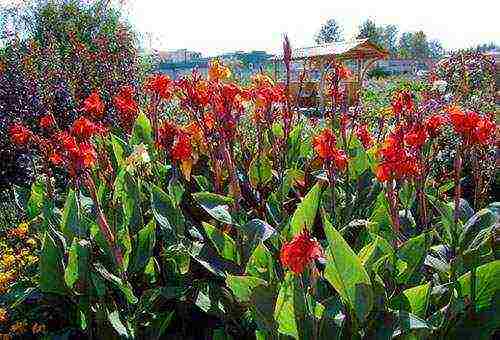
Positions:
(369, 30)
(329, 32)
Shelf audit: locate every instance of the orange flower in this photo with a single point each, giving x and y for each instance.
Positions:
(300, 252)
(161, 85)
(218, 71)
(181, 150)
(94, 105)
(19, 134)
(83, 128)
(324, 144)
(47, 121)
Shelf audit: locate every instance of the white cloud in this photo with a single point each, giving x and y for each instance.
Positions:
(214, 26)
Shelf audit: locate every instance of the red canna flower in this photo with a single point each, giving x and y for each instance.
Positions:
(402, 103)
(433, 125)
(364, 136)
(56, 159)
(94, 105)
(47, 121)
(126, 105)
(182, 149)
(161, 85)
(86, 156)
(19, 134)
(166, 135)
(396, 162)
(324, 144)
(339, 159)
(83, 128)
(484, 131)
(300, 252)
(473, 128)
(416, 137)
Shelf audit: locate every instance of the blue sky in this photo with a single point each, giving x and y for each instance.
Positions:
(218, 26)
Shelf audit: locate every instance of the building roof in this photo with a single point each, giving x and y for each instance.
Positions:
(351, 49)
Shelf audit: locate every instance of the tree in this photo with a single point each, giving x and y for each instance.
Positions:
(329, 32)
(436, 49)
(368, 30)
(414, 45)
(390, 36)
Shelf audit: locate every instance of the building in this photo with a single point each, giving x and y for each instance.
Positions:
(180, 62)
(401, 66)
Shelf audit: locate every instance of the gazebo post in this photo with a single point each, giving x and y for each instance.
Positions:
(321, 86)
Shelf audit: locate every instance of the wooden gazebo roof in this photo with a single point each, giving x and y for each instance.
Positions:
(344, 50)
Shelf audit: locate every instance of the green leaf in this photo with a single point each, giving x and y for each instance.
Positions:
(261, 264)
(483, 219)
(260, 172)
(119, 327)
(414, 300)
(243, 286)
(373, 251)
(225, 245)
(77, 269)
(142, 131)
(51, 267)
(487, 286)
(119, 149)
(127, 189)
(70, 224)
(380, 221)
(405, 323)
(290, 312)
(124, 287)
(305, 214)
(413, 253)
(215, 205)
(358, 163)
(346, 273)
(36, 199)
(166, 213)
(144, 245)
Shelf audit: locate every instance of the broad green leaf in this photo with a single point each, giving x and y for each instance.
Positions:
(358, 163)
(70, 224)
(414, 300)
(305, 214)
(125, 287)
(373, 251)
(176, 190)
(380, 221)
(225, 245)
(405, 323)
(346, 273)
(127, 189)
(290, 312)
(166, 213)
(51, 267)
(215, 205)
(243, 286)
(413, 253)
(487, 286)
(36, 198)
(210, 299)
(77, 269)
(118, 326)
(261, 264)
(119, 149)
(142, 131)
(144, 244)
(260, 172)
(483, 219)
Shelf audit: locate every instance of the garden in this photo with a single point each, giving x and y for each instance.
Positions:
(136, 206)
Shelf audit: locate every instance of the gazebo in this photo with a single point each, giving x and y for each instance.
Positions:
(362, 52)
